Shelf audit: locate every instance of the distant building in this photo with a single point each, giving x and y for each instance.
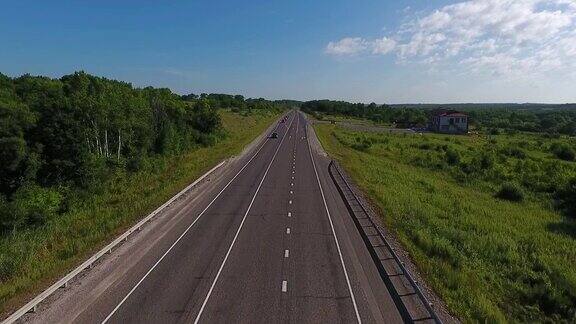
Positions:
(448, 121)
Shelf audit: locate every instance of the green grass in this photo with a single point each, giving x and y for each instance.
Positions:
(489, 259)
(31, 259)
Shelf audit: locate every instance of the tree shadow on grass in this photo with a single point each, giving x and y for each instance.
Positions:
(565, 227)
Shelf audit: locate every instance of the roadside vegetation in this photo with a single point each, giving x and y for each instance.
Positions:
(488, 219)
(83, 157)
(554, 120)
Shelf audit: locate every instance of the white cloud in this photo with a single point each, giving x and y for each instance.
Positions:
(357, 45)
(346, 46)
(383, 45)
(504, 37)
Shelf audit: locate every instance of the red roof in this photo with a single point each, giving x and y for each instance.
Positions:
(453, 115)
(447, 113)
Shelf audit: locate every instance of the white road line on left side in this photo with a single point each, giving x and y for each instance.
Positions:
(239, 229)
(335, 237)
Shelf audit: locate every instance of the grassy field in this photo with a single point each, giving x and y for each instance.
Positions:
(29, 260)
(491, 259)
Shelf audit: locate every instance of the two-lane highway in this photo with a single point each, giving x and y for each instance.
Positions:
(270, 241)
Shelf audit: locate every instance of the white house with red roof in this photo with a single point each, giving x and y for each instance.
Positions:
(448, 121)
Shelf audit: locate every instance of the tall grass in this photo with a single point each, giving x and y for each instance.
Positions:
(30, 259)
(491, 260)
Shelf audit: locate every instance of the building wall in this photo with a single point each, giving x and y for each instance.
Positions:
(448, 124)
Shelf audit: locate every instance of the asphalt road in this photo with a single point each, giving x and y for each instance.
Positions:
(267, 241)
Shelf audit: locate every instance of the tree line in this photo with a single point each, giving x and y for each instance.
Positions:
(70, 134)
(402, 117)
(494, 118)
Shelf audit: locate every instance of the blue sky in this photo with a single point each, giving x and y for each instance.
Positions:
(382, 51)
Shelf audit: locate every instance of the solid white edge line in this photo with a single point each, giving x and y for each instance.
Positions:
(182, 235)
(240, 227)
(335, 237)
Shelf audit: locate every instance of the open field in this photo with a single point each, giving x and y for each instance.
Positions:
(491, 259)
(30, 259)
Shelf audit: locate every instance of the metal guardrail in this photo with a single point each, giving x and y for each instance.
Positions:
(398, 298)
(33, 304)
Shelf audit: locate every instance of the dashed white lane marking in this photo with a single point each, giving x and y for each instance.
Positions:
(288, 230)
(291, 192)
(239, 229)
(284, 286)
(286, 253)
(289, 214)
(290, 202)
(292, 177)
(184, 233)
(292, 184)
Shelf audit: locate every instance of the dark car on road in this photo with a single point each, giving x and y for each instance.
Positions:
(274, 135)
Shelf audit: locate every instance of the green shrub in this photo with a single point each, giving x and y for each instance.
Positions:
(513, 151)
(452, 156)
(563, 151)
(566, 198)
(485, 161)
(362, 144)
(510, 191)
(494, 131)
(31, 205)
(425, 146)
(5, 222)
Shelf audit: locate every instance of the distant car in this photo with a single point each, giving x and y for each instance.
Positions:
(274, 135)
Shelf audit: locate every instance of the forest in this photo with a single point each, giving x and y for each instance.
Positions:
(492, 118)
(59, 137)
(402, 117)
